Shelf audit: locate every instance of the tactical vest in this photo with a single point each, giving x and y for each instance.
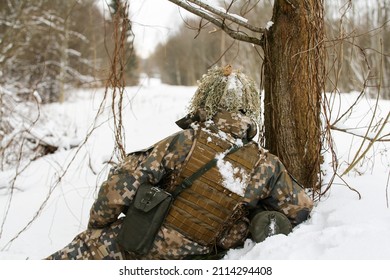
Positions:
(205, 209)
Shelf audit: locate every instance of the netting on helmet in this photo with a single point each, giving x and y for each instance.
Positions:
(223, 89)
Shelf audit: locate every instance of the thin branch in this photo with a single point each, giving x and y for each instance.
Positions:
(246, 4)
(352, 189)
(232, 33)
(346, 130)
(352, 165)
(331, 183)
(227, 16)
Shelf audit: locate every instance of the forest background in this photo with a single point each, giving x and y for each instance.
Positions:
(49, 46)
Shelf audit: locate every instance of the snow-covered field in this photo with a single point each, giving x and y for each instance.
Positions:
(341, 226)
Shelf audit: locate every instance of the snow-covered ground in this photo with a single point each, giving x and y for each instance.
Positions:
(42, 215)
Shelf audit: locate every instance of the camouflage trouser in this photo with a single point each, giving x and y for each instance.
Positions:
(100, 244)
(92, 244)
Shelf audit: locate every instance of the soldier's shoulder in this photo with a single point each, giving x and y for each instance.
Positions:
(185, 135)
(264, 154)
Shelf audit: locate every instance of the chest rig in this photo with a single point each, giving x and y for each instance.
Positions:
(207, 207)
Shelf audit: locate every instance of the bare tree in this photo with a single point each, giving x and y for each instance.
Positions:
(293, 77)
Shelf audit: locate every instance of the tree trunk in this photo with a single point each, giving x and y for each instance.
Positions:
(294, 82)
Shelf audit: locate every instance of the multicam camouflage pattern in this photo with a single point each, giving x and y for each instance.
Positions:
(270, 187)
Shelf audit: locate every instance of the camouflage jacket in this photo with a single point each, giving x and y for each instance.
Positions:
(270, 187)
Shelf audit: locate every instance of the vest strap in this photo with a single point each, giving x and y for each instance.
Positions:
(187, 182)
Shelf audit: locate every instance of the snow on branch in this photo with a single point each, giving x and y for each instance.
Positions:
(224, 14)
(207, 12)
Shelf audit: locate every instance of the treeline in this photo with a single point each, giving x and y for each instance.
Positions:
(357, 47)
(47, 46)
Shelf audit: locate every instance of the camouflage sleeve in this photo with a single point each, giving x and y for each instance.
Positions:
(118, 190)
(285, 195)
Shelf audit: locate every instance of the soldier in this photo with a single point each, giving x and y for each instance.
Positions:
(243, 191)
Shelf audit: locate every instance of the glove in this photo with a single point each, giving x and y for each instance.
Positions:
(268, 223)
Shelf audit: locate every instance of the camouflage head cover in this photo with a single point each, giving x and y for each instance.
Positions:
(223, 88)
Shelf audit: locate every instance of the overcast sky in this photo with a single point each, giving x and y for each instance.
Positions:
(153, 21)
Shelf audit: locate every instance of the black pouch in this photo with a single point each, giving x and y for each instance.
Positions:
(144, 218)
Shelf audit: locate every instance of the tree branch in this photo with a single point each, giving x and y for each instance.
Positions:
(227, 16)
(232, 33)
(345, 130)
(356, 160)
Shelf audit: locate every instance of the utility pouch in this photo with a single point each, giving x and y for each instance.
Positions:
(144, 218)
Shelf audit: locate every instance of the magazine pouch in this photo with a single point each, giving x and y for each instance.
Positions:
(144, 217)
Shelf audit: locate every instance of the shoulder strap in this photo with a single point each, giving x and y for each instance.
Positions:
(187, 182)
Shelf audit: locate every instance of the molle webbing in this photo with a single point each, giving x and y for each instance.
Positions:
(202, 211)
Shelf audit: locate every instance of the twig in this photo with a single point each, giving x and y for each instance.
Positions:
(358, 158)
(11, 195)
(381, 139)
(352, 189)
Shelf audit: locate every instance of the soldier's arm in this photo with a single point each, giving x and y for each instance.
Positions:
(286, 195)
(118, 190)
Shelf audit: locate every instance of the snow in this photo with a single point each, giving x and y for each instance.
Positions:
(234, 179)
(37, 96)
(341, 226)
(269, 25)
(234, 84)
(215, 9)
(238, 17)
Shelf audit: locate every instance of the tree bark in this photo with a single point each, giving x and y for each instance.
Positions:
(294, 82)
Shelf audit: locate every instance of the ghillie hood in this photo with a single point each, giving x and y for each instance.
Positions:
(225, 89)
